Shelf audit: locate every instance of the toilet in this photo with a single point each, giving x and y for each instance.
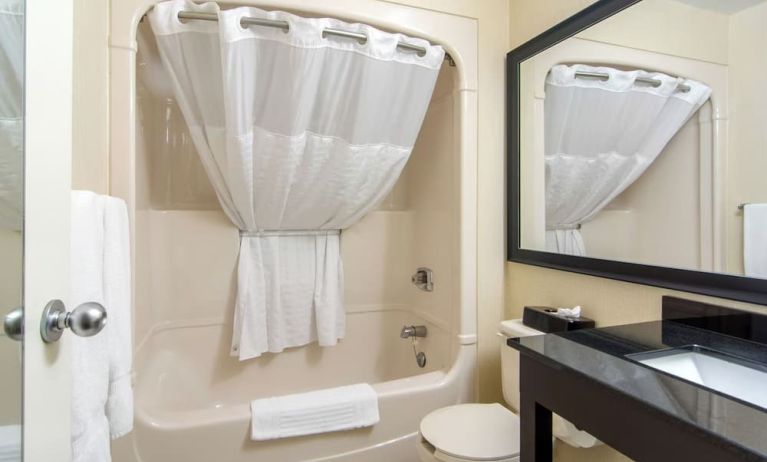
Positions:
(488, 432)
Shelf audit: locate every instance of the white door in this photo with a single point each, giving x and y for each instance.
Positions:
(47, 179)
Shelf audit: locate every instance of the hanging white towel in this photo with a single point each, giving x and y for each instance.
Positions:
(102, 400)
(320, 411)
(755, 240)
(117, 301)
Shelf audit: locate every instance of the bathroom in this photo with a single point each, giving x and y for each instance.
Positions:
(436, 267)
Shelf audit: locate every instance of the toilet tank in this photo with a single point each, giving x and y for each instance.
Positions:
(510, 359)
(562, 429)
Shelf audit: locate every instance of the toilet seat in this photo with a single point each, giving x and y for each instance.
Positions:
(472, 432)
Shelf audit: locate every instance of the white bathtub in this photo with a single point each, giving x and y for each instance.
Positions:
(192, 398)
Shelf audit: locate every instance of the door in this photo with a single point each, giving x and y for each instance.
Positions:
(47, 179)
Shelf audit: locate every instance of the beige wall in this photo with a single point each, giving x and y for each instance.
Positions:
(669, 27)
(747, 160)
(90, 137)
(609, 302)
(493, 44)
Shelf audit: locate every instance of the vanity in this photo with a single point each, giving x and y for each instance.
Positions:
(690, 387)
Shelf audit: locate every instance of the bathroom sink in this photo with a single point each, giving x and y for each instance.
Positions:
(731, 375)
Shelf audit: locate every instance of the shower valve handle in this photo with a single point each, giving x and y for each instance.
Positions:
(413, 331)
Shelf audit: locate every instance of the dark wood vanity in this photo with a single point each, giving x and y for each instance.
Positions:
(593, 379)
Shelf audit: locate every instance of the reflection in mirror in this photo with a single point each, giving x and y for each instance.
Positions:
(11, 216)
(641, 136)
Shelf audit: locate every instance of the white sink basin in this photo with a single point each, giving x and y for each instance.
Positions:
(710, 369)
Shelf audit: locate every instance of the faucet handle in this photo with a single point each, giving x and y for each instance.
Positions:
(413, 331)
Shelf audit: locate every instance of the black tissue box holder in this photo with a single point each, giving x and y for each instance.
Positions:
(545, 319)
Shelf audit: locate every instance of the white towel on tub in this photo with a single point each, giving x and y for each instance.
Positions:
(102, 399)
(321, 411)
(755, 240)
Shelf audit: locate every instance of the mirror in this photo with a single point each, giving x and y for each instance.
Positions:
(11, 223)
(637, 144)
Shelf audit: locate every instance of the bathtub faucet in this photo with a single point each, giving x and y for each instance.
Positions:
(413, 331)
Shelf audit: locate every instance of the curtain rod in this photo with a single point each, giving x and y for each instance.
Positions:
(285, 26)
(654, 82)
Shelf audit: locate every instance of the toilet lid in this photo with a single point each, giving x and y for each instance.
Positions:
(473, 431)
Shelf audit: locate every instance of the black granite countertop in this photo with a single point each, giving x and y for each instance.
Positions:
(600, 354)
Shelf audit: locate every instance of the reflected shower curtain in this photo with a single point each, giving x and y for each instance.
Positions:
(11, 118)
(301, 136)
(600, 136)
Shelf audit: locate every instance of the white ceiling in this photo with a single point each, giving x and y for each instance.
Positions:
(722, 6)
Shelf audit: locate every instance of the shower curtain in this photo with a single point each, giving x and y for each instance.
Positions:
(600, 136)
(11, 117)
(301, 135)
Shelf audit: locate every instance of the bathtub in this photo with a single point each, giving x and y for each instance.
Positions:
(192, 399)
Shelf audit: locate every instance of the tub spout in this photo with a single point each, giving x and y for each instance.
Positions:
(413, 331)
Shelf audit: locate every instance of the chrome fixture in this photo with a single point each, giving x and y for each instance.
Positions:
(13, 324)
(87, 320)
(244, 22)
(285, 26)
(420, 359)
(413, 331)
(423, 279)
(652, 82)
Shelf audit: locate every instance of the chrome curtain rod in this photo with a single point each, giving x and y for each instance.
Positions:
(285, 26)
(604, 77)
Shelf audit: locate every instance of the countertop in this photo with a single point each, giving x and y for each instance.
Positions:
(600, 354)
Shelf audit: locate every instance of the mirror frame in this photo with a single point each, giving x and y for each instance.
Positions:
(727, 286)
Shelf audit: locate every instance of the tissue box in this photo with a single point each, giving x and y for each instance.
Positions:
(546, 319)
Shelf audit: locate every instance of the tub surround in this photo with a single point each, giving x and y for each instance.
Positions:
(587, 377)
(192, 399)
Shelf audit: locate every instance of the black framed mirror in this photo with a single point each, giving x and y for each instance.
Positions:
(634, 147)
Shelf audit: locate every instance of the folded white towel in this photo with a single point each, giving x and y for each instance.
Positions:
(102, 400)
(320, 411)
(755, 240)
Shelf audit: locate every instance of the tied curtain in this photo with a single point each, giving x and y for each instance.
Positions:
(600, 136)
(11, 118)
(301, 135)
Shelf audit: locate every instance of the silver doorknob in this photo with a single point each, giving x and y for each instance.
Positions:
(86, 320)
(13, 324)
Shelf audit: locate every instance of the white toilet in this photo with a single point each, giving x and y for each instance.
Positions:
(488, 432)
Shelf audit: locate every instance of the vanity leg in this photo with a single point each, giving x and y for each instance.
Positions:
(535, 437)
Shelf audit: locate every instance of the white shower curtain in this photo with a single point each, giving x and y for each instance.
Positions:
(301, 136)
(11, 117)
(600, 136)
